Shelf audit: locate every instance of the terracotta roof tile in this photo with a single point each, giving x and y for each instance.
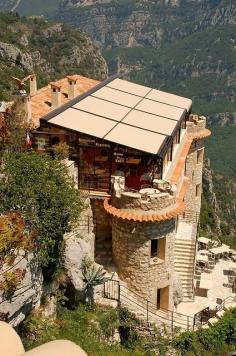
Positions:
(181, 162)
(203, 134)
(41, 101)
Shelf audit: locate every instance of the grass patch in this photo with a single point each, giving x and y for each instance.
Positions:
(90, 329)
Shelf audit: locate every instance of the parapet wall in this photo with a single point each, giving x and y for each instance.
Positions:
(146, 200)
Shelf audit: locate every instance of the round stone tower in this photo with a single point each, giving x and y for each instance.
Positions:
(143, 232)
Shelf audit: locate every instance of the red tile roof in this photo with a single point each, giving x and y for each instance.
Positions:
(41, 101)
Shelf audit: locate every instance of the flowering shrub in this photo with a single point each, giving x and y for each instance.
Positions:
(10, 281)
(13, 238)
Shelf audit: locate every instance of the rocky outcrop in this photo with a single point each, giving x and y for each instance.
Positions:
(51, 50)
(79, 244)
(15, 56)
(209, 194)
(147, 23)
(28, 293)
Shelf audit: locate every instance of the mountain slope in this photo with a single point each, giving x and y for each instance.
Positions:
(52, 50)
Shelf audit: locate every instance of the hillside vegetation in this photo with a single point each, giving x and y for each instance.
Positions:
(52, 50)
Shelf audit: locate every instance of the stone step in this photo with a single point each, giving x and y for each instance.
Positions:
(185, 242)
(187, 288)
(184, 246)
(183, 262)
(185, 259)
(188, 294)
(220, 313)
(185, 275)
(178, 252)
(212, 321)
(186, 281)
(229, 306)
(181, 268)
(184, 271)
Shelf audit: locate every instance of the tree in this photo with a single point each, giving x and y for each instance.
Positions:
(41, 189)
(13, 128)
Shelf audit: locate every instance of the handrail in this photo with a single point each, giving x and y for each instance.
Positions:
(217, 308)
(167, 310)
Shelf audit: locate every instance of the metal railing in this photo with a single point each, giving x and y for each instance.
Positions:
(149, 311)
(205, 314)
(95, 182)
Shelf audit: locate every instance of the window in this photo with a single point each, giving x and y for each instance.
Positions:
(198, 190)
(158, 248)
(154, 248)
(200, 154)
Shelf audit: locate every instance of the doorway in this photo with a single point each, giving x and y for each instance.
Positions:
(163, 298)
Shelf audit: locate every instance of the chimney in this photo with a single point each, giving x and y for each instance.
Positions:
(24, 107)
(71, 86)
(28, 108)
(55, 95)
(33, 84)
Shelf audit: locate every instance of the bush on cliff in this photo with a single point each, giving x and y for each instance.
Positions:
(40, 188)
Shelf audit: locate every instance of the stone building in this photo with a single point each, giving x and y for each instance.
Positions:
(138, 153)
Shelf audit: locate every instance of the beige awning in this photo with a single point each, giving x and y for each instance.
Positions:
(124, 113)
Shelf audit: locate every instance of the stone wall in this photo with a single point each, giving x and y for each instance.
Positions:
(194, 169)
(131, 244)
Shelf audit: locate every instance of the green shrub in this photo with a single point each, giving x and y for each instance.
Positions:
(41, 190)
(217, 340)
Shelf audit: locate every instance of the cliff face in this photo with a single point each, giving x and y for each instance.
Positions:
(51, 50)
(128, 23)
(211, 203)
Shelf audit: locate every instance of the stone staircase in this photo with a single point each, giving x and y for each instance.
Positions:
(184, 259)
(103, 252)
